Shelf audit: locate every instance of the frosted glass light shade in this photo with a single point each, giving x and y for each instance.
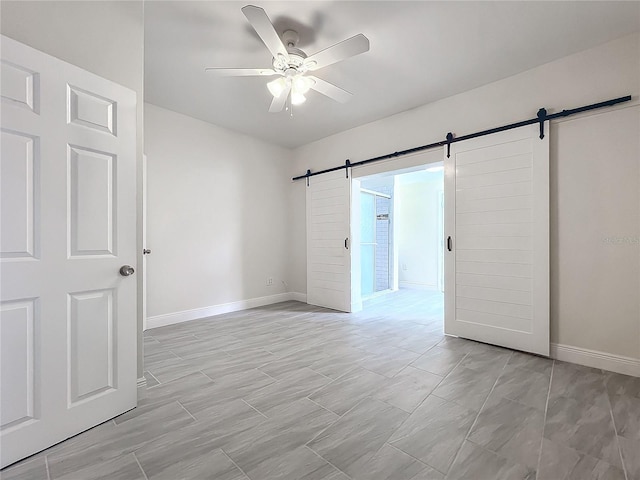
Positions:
(277, 86)
(302, 84)
(297, 98)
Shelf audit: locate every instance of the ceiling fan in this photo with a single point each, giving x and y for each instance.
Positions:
(292, 65)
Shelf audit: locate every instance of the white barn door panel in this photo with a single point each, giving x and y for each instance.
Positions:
(497, 228)
(328, 241)
(68, 318)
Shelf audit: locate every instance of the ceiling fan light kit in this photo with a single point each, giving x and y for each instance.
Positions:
(292, 64)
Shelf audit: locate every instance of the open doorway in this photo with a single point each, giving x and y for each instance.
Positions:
(400, 247)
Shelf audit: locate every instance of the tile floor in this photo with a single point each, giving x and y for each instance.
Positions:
(291, 391)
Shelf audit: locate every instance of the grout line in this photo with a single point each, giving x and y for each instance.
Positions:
(430, 394)
(140, 466)
(466, 438)
(184, 408)
(336, 420)
(324, 408)
(46, 464)
(242, 399)
(236, 465)
(615, 428)
(324, 459)
(544, 422)
(415, 458)
(154, 377)
(275, 380)
(177, 356)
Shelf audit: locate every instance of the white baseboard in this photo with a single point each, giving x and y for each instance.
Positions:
(596, 359)
(298, 297)
(204, 312)
(417, 286)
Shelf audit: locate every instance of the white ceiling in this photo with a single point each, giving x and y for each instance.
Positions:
(420, 52)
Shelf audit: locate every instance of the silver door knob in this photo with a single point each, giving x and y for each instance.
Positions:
(126, 270)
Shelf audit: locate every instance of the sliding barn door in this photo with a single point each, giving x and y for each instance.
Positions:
(328, 242)
(68, 316)
(497, 240)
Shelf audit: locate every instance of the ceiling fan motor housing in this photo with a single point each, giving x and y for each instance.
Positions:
(296, 56)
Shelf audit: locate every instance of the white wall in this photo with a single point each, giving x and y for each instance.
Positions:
(595, 180)
(103, 37)
(417, 232)
(218, 215)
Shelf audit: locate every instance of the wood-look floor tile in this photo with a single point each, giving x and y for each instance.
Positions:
(239, 360)
(249, 409)
(584, 384)
(124, 467)
(434, 432)
(171, 369)
(151, 380)
(355, 438)
(408, 388)
(299, 463)
(510, 429)
(229, 387)
(530, 362)
(389, 463)
(583, 426)
(213, 465)
(559, 462)
(190, 387)
(287, 389)
(28, 469)
(191, 445)
(390, 361)
(477, 463)
(288, 429)
(345, 392)
(460, 345)
(466, 387)
(439, 361)
(429, 474)
(336, 364)
(489, 360)
(420, 343)
(111, 442)
(526, 386)
(630, 450)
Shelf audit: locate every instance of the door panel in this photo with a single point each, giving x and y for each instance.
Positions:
(68, 324)
(91, 341)
(92, 196)
(17, 336)
(328, 255)
(497, 215)
(19, 170)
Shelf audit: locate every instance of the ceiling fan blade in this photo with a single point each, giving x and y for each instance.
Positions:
(264, 28)
(348, 48)
(241, 72)
(330, 90)
(278, 102)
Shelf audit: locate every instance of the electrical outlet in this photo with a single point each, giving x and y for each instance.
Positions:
(269, 281)
(404, 266)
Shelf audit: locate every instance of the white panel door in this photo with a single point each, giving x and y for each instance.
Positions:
(497, 218)
(68, 318)
(328, 242)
